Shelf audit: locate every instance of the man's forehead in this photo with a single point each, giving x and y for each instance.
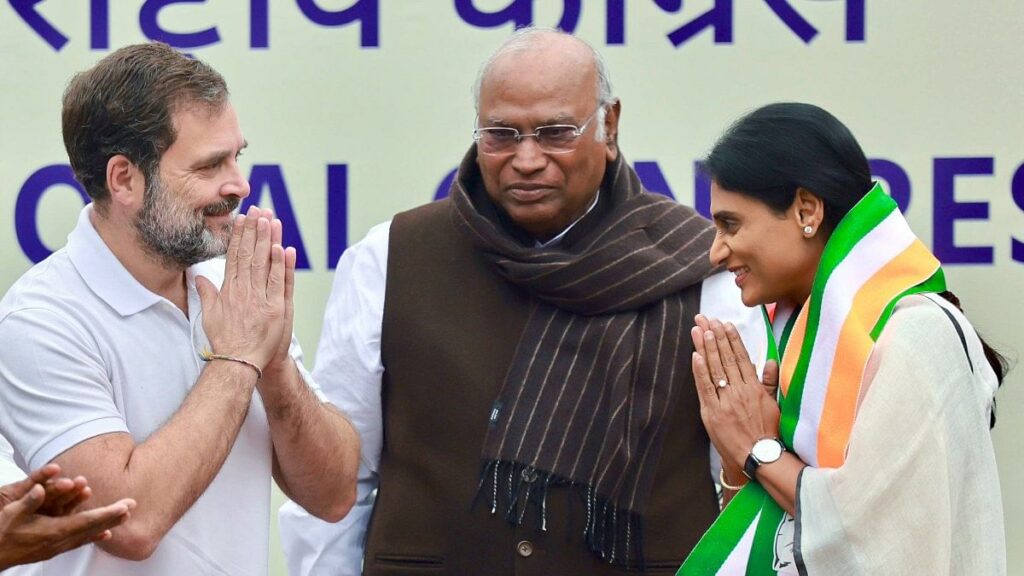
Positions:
(539, 63)
(197, 110)
(545, 93)
(511, 113)
(200, 129)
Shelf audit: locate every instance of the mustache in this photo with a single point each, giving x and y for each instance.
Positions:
(224, 207)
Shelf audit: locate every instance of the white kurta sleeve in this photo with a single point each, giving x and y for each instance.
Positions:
(919, 491)
(348, 371)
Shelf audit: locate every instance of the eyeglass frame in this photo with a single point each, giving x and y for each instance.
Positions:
(577, 131)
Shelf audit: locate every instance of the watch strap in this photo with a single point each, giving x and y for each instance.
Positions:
(750, 466)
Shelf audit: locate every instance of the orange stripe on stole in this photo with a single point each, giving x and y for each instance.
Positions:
(911, 267)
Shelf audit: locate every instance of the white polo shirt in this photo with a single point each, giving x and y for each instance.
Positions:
(86, 350)
(8, 471)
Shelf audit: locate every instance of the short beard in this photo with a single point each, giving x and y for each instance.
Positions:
(176, 234)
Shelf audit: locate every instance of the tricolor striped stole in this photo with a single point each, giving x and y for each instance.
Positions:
(871, 260)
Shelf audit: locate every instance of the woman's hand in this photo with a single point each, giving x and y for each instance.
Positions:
(737, 407)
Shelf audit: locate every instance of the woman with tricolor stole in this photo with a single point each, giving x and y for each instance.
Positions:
(872, 455)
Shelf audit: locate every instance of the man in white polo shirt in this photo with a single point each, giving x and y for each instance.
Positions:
(120, 359)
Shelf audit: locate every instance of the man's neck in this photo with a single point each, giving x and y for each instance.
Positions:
(557, 238)
(123, 241)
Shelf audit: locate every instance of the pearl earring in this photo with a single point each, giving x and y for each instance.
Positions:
(808, 230)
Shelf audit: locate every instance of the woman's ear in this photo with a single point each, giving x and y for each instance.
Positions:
(809, 211)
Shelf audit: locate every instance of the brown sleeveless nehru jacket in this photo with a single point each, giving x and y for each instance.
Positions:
(450, 329)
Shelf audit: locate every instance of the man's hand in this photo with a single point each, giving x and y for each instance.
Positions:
(62, 494)
(247, 318)
(282, 362)
(28, 534)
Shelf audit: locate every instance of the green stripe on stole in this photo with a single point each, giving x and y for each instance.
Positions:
(752, 502)
(868, 213)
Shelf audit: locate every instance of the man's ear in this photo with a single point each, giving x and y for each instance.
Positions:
(125, 182)
(809, 210)
(611, 130)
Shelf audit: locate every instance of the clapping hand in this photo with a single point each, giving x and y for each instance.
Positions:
(37, 518)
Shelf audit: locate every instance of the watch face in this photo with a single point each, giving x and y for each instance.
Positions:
(767, 450)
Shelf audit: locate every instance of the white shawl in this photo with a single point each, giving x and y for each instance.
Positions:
(919, 491)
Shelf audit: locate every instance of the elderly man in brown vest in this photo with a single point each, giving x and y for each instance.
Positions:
(516, 356)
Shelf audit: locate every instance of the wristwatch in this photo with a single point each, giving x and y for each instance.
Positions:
(765, 451)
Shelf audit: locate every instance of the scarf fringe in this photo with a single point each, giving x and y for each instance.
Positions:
(614, 534)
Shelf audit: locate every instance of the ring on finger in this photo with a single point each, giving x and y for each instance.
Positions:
(723, 383)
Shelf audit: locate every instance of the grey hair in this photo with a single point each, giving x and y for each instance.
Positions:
(524, 39)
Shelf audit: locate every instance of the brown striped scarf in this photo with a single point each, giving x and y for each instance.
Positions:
(587, 397)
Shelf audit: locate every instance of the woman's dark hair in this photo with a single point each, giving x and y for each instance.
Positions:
(774, 150)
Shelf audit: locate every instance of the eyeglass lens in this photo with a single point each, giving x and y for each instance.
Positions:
(553, 139)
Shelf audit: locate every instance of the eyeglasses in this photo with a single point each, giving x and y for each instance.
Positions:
(553, 139)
